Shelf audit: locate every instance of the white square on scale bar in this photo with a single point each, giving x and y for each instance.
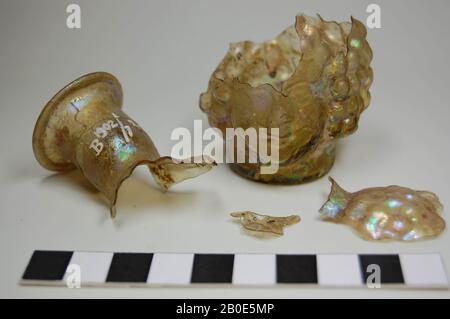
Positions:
(94, 266)
(172, 269)
(339, 270)
(254, 269)
(423, 270)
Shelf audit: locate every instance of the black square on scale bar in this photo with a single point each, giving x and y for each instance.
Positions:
(47, 265)
(212, 268)
(390, 268)
(129, 267)
(296, 269)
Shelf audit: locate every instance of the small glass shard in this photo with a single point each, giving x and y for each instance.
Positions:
(265, 223)
(386, 213)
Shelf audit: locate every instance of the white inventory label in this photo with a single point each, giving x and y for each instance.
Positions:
(102, 131)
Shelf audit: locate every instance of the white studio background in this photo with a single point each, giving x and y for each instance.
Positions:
(163, 52)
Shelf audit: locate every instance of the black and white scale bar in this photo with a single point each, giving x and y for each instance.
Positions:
(166, 269)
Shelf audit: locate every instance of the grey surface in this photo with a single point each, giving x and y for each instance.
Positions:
(163, 52)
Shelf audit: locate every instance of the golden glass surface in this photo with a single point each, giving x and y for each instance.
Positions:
(386, 213)
(312, 82)
(83, 127)
(264, 223)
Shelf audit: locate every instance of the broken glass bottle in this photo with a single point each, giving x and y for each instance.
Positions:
(311, 83)
(83, 126)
